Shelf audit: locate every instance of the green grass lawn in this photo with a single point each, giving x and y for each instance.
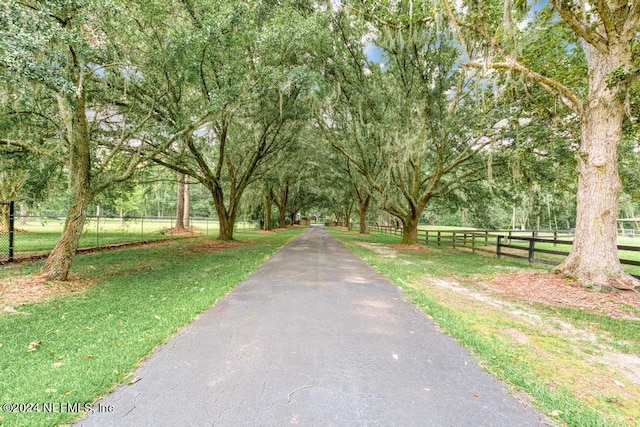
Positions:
(76, 348)
(622, 254)
(489, 244)
(556, 360)
(40, 236)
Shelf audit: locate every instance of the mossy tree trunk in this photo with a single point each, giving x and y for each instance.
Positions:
(594, 254)
(180, 213)
(364, 200)
(281, 202)
(268, 200)
(81, 194)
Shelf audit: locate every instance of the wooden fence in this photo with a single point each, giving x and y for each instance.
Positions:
(551, 245)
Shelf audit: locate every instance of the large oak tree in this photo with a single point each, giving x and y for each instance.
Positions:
(411, 126)
(253, 69)
(72, 53)
(606, 32)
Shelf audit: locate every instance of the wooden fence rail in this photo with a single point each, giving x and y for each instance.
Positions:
(549, 243)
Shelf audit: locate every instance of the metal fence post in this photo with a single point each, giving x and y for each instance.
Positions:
(11, 229)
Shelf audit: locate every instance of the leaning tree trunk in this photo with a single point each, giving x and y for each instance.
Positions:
(59, 261)
(594, 256)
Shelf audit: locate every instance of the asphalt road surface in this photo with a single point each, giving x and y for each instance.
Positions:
(314, 337)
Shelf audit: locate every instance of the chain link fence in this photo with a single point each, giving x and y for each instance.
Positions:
(6, 231)
(35, 236)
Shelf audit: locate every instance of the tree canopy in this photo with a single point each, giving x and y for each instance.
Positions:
(497, 113)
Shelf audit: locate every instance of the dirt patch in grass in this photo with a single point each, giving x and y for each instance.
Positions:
(35, 288)
(379, 248)
(559, 291)
(564, 355)
(391, 251)
(181, 231)
(266, 232)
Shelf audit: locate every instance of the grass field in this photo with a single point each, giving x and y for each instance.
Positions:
(75, 348)
(569, 362)
(489, 243)
(40, 235)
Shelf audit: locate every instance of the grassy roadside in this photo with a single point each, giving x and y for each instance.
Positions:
(75, 348)
(568, 362)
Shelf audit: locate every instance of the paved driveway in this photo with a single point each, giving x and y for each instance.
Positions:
(314, 337)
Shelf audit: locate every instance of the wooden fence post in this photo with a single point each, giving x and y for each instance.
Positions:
(532, 244)
(498, 246)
